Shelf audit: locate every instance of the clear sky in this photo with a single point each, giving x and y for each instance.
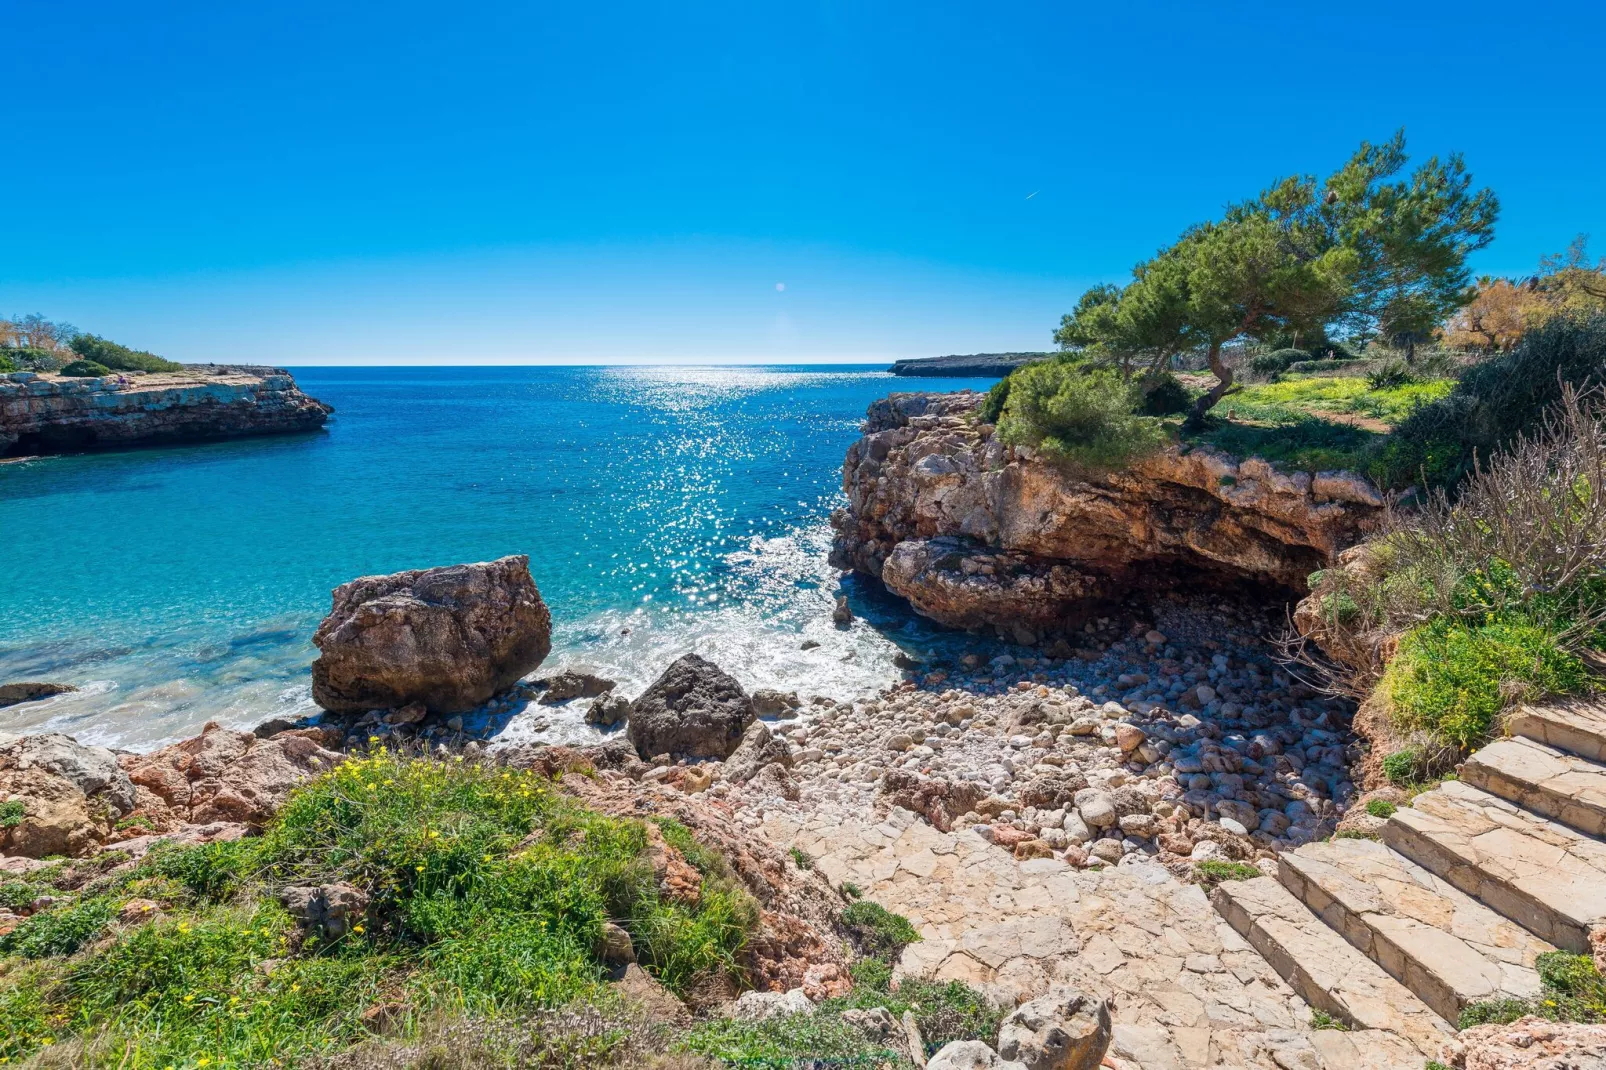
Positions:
(404, 182)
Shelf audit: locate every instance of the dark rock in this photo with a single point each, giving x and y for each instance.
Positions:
(694, 710)
(450, 638)
(842, 615)
(570, 684)
(608, 710)
(12, 694)
(328, 910)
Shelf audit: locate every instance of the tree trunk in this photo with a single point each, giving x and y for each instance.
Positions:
(1204, 404)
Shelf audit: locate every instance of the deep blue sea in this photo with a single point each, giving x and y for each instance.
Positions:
(664, 509)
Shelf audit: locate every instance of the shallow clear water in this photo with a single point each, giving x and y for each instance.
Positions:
(663, 509)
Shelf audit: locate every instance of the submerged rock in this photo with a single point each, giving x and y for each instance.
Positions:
(13, 694)
(694, 710)
(450, 638)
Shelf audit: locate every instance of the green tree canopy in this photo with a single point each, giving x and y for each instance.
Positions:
(1359, 252)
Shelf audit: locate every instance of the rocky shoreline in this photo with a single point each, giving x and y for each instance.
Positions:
(48, 413)
(979, 365)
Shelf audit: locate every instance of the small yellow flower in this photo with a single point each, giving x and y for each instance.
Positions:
(203, 1061)
(486, 858)
(356, 928)
(373, 739)
(189, 997)
(419, 868)
(295, 987)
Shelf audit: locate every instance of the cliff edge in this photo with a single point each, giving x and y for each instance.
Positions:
(977, 534)
(973, 364)
(46, 413)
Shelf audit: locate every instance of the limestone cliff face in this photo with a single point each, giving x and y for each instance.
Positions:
(976, 533)
(52, 414)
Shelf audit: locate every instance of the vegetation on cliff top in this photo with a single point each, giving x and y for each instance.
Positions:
(33, 343)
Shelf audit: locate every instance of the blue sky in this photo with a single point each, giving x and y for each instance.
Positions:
(616, 182)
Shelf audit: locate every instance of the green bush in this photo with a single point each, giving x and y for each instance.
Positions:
(1496, 401)
(877, 930)
(119, 357)
(1164, 395)
(1402, 767)
(7, 364)
(1086, 416)
(1213, 871)
(786, 1042)
(1572, 990)
(1389, 375)
(1270, 364)
(12, 813)
(23, 358)
(997, 397)
(59, 931)
(1380, 808)
(1285, 358)
(1452, 678)
(85, 369)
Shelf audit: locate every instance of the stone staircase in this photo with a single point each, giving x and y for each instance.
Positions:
(1468, 886)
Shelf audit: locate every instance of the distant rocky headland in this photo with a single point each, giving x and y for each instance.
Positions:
(42, 412)
(973, 364)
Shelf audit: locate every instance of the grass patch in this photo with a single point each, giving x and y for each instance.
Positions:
(1296, 397)
(787, 1042)
(1303, 443)
(487, 892)
(1572, 990)
(1354, 834)
(800, 858)
(1380, 808)
(1322, 1020)
(1213, 871)
(1452, 678)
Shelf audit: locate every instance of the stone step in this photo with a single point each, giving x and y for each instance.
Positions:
(1547, 781)
(1326, 971)
(1444, 946)
(1544, 876)
(1577, 726)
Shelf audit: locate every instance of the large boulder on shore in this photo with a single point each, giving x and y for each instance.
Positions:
(61, 797)
(449, 638)
(694, 710)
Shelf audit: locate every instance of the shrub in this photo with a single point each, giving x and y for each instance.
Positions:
(119, 357)
(1380, 808)
(1451, 678)
(997, 397)
(800, 858)
(85, 369)
(24, 358)
(12, 813)
(1164, 395)
(1284, 358)
(1270, 364)
(1215, 870)
(1496, 402)
(786, 1042)
(1086, 416)
(1390, 374)
(1320, 1019)
(1402, 766)
(7, 364)
(1572, 990)
(877, 930)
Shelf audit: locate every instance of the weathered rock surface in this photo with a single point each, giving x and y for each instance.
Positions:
(970, 1055)
(223, 775)
(71, 795)
(694, 710)
(572, 684)
(1535, 1044)
(52, 414)
(13, 694)
(449, 638)
(608, 710)
(326, 910)
(975, 532)
(1064, 1030)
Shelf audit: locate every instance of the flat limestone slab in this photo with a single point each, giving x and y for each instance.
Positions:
(1577, 726)
(1444, 946)
(1544, 876)
(1330, 974)
(1542, 779)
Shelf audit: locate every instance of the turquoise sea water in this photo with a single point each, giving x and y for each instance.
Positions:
(663, 509)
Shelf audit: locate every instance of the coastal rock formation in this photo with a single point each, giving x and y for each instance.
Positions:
(16, 694)
(449, 638)
(54, 414)
(223, 775)
(1534, 1043)
(694, 710)
(63, 798)
(974, 532)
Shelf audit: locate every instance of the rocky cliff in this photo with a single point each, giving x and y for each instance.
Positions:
(978, 534)
(52, 414)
